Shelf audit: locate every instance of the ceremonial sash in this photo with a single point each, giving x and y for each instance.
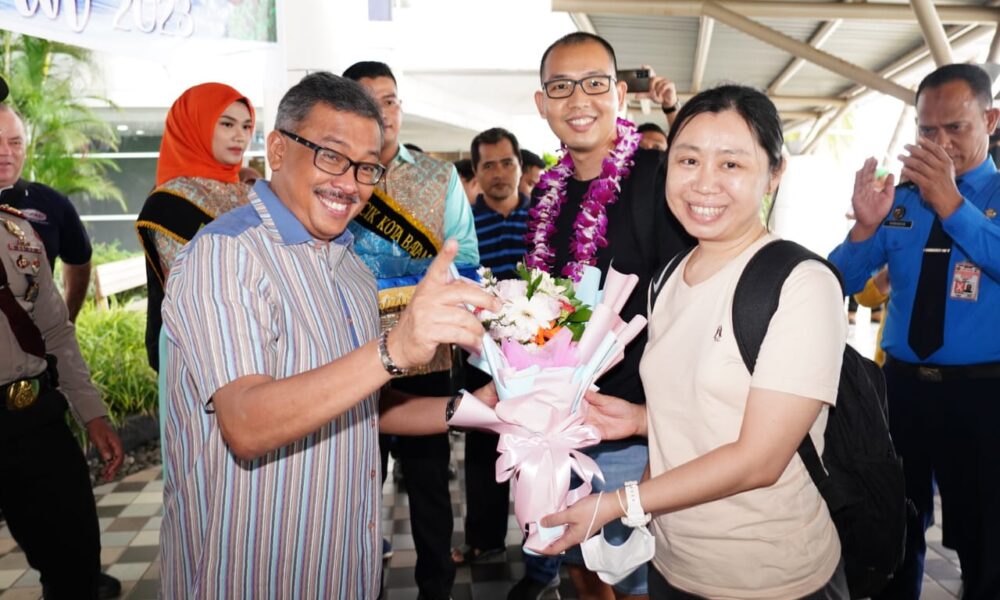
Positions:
(389, 220)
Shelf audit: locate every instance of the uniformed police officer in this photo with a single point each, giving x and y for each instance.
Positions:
(45, 491)
(51, 213)
(940, 237)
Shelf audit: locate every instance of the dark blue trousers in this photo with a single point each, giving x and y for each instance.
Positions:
(949, 431)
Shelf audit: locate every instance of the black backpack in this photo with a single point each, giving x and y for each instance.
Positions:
(862, 483)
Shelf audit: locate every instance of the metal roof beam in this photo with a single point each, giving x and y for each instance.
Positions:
(803, 50)
(801, 115)
(905, 116)
(919, 59)
(790, 102)
(790, 124)
(930, 25)
(994, 54)
(706, 25)
(771, 9)
(911, 61)
(793, 101)
(582, 22)
(956, 35)
(818, 133)
(817, 40)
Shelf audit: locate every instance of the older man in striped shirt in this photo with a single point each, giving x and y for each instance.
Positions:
(274, 365)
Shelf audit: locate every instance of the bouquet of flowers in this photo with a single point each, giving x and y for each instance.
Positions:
(545, 348)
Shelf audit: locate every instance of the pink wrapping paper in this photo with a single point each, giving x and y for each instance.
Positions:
(540, 416)
(537, 463)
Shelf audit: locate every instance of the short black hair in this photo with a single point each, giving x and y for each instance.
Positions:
(370, 69)
(756, 109)
(464, 168)
(493, 136)
(530, 159)
(651, 127)
(976, 78)
(576, 38)
(326, 88)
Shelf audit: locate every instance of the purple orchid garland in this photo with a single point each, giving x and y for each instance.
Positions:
(591, 224)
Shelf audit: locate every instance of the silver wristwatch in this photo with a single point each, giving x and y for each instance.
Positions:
(383, 354)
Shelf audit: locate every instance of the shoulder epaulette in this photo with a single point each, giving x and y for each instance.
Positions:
(906, 185)
(7, 208)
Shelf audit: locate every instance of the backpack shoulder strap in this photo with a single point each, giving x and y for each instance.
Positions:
(759, 289)
(656, 283)
(755, 302)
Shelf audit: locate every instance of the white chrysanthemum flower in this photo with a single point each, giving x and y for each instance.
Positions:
(528, 316)
(487, 280)
(550, 287)
(510, 290)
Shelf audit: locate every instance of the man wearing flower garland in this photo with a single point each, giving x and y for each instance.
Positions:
(420, 198)
(602, 203)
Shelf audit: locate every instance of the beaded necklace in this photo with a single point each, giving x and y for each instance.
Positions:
(591, 223)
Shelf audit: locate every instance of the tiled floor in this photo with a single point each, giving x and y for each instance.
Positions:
(130, 521)
(129, 515)
(130, 510)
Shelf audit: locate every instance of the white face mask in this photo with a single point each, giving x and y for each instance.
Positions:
(614, 563)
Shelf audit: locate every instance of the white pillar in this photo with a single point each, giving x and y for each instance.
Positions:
(313, 35)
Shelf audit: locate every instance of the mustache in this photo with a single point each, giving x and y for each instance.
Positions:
(338, 194)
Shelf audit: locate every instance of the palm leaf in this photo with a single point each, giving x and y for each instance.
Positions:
(62, 129)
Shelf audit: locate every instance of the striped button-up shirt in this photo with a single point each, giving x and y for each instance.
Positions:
(255, 293)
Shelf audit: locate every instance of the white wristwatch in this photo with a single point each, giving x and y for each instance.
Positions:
(634, 515)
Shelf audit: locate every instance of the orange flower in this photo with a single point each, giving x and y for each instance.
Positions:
(545, 335)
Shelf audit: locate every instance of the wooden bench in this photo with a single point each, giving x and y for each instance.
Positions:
(116, 277)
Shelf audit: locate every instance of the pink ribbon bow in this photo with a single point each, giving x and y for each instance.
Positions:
(538, 463)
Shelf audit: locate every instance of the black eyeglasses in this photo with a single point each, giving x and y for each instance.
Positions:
(335, 163)
(592, 86)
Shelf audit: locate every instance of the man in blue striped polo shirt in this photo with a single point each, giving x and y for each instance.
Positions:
(501, 211)
(501, 214)
(274, 366)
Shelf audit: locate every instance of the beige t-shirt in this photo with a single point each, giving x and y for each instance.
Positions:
(775, 542)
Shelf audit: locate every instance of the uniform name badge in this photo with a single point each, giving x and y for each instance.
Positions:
(965, 282)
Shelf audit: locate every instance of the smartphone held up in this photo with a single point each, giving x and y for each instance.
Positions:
(636, 80)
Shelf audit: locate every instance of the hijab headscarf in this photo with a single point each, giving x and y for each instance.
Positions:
(186, 149)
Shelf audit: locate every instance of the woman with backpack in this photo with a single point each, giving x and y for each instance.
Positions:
(735, 513)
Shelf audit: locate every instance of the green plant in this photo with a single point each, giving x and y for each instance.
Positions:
(103, 252)
(61, 127)
(113, 345)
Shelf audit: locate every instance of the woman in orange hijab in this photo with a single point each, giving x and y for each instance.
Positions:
(208, 129)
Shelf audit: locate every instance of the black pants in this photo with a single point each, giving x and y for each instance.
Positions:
(424, 463)
(947, 431)
(487, 502)
(46, 497)
(835, 589)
